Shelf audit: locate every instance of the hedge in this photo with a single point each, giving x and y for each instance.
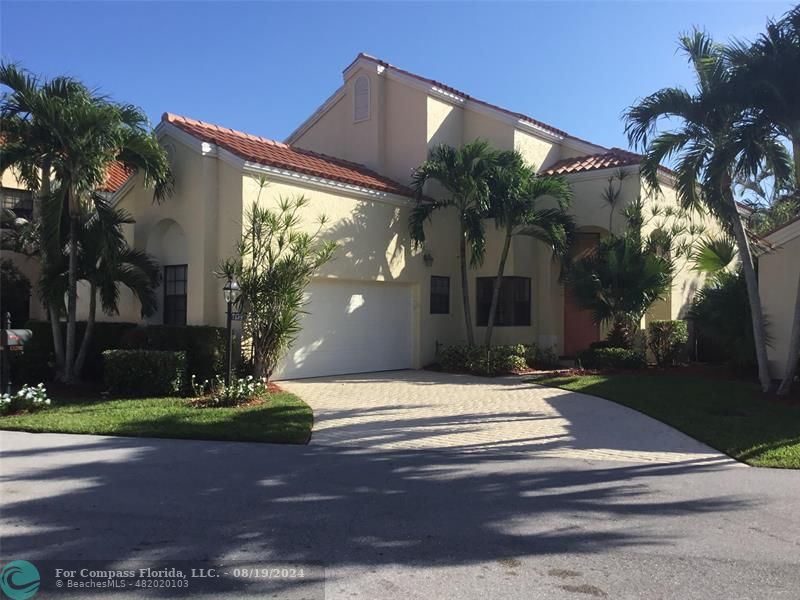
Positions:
(611, 358)
(478, 360)
(204, 345)
(37, 363)
(144, 372)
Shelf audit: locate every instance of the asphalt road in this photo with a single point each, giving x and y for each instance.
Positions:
(406, 524)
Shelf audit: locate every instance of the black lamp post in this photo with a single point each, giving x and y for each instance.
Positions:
(231, 292)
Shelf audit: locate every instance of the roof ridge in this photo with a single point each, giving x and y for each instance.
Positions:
(171, 117)
(467, 96)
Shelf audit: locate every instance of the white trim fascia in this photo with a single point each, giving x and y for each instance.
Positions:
(124, 189)
(784, 234)
(323, 108)
(294, 177)
(362, 62)
(196, 144)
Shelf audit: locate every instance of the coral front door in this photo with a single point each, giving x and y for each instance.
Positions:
(579, 329)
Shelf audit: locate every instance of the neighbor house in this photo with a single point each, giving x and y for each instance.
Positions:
(778, 273)
(382, 303)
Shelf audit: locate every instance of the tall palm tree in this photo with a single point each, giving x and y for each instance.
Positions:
(766, 74)
(464, 174)
(28, 146)
(712, 147)
(515, 192)
(81, 134)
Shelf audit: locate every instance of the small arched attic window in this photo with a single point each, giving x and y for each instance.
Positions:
(361, 99)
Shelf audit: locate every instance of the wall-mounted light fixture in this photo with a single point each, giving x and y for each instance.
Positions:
(428, 258)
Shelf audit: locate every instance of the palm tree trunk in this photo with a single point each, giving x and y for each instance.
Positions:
(72, 295)
(55, 321)
(793, 355)
(501, 268)
(58, 339)
(465, 288)
(756, 312)
(80, 360)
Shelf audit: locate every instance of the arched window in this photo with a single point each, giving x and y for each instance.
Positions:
(361, 99)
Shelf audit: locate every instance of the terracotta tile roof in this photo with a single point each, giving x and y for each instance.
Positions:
(116, 176)
(276, 154)
(452, 90)
(616, 157)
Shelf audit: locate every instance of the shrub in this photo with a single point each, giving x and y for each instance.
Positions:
(240, 391)
(667, 341)
(204, 345)
(542, 358)
(611, 358)
(144, 372)
(480, 361)
(28, 398)
(721, 313)
(38, 361)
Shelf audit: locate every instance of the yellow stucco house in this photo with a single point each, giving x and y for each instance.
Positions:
(778, 274)
(381, 304)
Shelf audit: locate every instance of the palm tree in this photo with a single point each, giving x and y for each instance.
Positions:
(464, 174)
(78, 135)
(28, 146)
(515, 191)
(712, 146)
(622, 277)
(766, 74)
(105, 261)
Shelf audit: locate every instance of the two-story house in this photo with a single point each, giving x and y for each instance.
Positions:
(382, 303)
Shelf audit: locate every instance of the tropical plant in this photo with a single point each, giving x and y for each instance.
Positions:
(61, 130)
(516, 193)
(667, 341)
(714, 254)
(105, 262)
(765, 75)
(274, 263)
(721, 312)
(464, 175)
(612, 193)
(622, 277)
(714, 143)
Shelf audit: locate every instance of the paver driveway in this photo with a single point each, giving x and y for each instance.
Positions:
(424, 410)
(423, 486)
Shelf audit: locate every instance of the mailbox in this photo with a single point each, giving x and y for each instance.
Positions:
(15, 339)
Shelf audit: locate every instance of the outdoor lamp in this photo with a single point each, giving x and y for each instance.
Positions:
(231, 291)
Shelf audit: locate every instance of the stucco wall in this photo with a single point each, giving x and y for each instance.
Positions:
(778, 273)
(374, 245)
(201, 217)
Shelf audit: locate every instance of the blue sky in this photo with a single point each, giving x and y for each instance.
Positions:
(264, 66)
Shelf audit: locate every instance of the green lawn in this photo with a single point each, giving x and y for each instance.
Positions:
(727, 415)
(284, 418)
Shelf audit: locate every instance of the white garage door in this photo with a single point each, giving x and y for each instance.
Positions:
(351, 327)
